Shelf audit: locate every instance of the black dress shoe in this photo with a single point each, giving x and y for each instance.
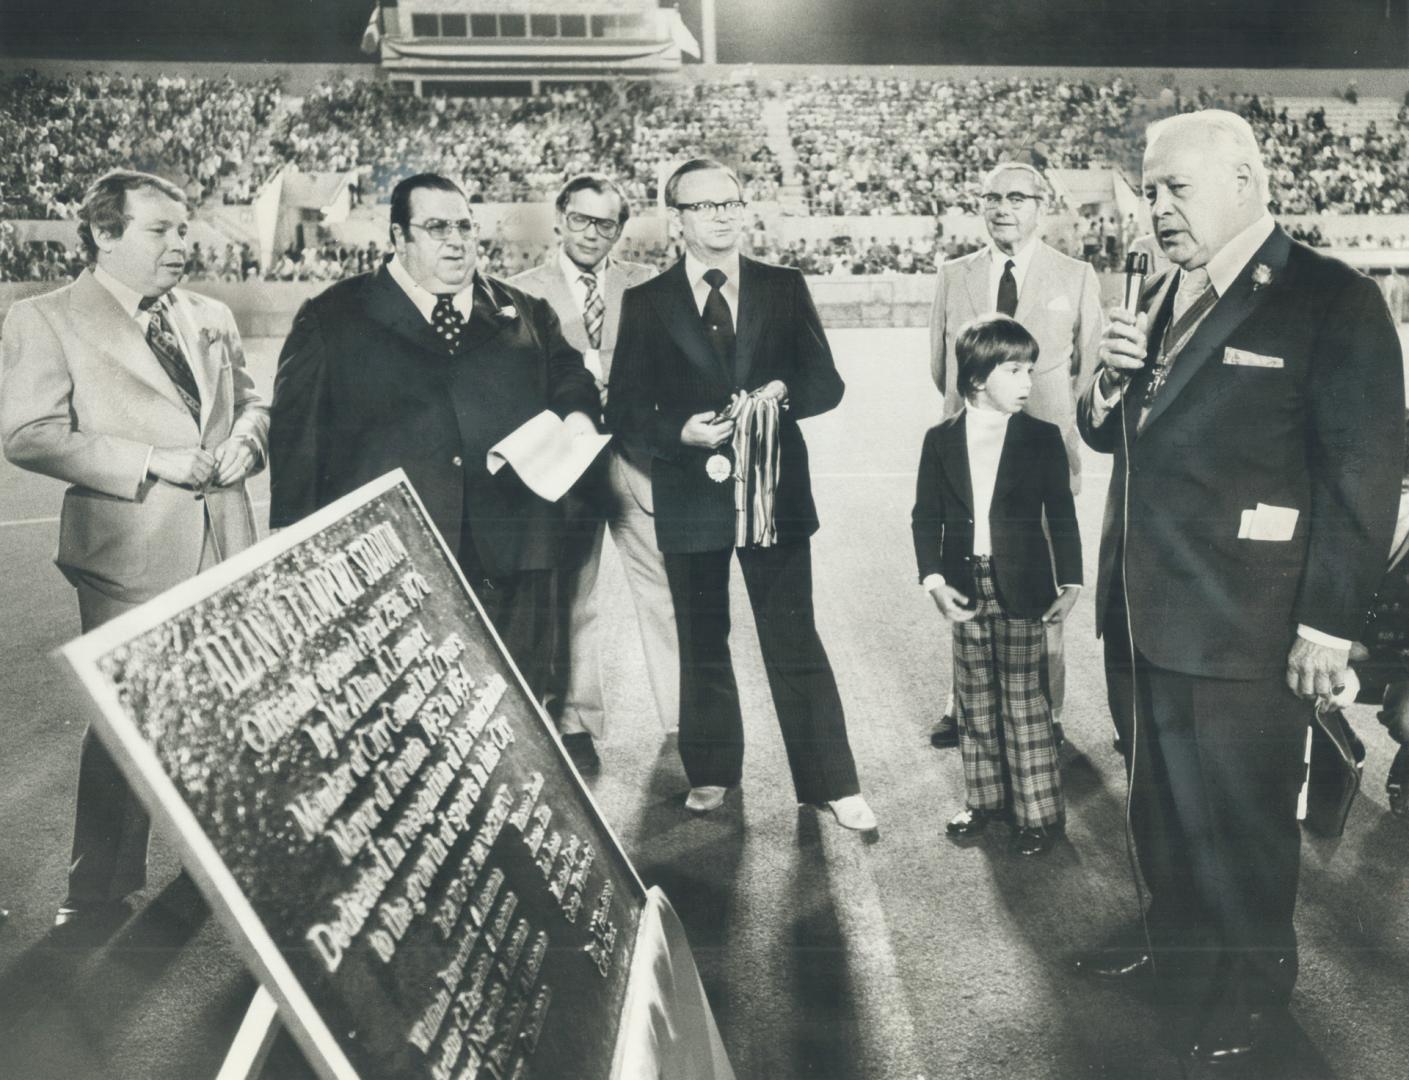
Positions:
(583, 753)
(946, 735)
(1034, 839)
(971, 821)
(1114, 963)
(1397, 783)
(1119, 744)
(1229, 1039)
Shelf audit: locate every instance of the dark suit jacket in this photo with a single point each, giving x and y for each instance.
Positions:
(1318, 430)
(364, 385)
(1033, 477)
(665, 371)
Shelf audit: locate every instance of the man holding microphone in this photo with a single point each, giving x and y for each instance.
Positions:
(1253, 404)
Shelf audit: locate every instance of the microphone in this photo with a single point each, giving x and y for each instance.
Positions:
(1137, 269)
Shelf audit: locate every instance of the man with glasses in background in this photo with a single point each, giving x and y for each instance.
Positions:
(1058, 300)
(692, 342)
(584, 283)
(426, 364)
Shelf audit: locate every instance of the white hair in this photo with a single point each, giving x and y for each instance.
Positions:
(1239, 143)
(1018, 166)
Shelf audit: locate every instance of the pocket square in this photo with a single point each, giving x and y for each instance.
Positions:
(1059, 303)
(1243, 358)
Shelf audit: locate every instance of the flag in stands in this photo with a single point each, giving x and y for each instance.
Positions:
(372, 36)
(680, 34)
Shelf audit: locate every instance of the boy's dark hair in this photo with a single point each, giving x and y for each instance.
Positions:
(985, 343)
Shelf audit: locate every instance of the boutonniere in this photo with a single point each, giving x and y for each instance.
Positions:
(1261, 276)
(507, 313)
(209, 336)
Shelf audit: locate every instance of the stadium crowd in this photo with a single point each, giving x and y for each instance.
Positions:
(58, 134)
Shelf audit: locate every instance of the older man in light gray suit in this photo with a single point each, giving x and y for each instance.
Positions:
(1058, 300)
(583, 283)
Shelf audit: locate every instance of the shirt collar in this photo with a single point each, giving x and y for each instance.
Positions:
(1022, 258)
(986, 418)
(695, 270)
(1228, 262)
(423, 298)
(574, 273)
(128, 298)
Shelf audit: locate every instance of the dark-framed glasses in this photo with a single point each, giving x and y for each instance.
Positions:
(731, 208)
(607, 228)
(1015, 199)
(438, 229)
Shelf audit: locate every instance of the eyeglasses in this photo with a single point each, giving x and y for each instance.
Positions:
(732, 208)
(440, 230)
(1015, 199)
(606, 228)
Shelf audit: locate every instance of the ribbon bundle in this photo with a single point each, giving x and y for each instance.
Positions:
(756, 468)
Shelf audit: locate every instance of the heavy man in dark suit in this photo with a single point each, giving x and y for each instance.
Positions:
(1254, 409)
(679, 357)
(425, 364)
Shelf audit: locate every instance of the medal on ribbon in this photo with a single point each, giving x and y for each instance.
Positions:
(717, 468)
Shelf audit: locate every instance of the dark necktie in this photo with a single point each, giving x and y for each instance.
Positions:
(719, 321)
(1007, 291)
(594, 311)
(162, 341)
(447, 322)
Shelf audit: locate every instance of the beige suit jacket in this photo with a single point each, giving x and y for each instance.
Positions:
(83, 399)
(546, 281)
(1060, 305)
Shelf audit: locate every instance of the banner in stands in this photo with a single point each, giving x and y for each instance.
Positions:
(373, 803)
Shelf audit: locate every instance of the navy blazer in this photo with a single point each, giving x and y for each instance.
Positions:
(665, 371)
(364, 385)
(1033, 479)
(1291, 394)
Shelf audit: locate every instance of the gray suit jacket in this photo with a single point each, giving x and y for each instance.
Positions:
(546, 281)
(1060, 305)
(83, 399)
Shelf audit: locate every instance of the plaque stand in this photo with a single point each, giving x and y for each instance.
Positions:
(247, 1054)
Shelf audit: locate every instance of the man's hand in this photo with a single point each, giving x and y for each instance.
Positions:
(1123, 347)
(777, 390)
(1062, 605)
(1316, 670)
(579, 424)
(234, 460)
(703, 431)
(189, 467)
(950, 602)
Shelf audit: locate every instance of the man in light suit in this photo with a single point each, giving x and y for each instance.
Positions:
(1254, 409)
(134, 393)
(679, 360)
(1058, 300)
(583, 283)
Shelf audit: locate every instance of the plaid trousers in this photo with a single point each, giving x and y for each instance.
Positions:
(1005, 721)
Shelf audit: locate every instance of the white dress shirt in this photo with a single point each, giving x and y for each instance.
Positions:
(592, 358)
(423, 298)
(695, 272)
(1022, 262)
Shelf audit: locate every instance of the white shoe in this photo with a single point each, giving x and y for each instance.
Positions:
(853, 813)
(704, 799)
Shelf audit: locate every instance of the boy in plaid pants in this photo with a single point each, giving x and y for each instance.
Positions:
(988, 476)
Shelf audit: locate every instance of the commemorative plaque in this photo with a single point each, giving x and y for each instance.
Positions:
(373, 803)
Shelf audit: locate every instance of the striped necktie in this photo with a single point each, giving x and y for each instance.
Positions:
(594, 311)
(161, 339)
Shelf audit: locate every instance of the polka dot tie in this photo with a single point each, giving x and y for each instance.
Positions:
(447, 322)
